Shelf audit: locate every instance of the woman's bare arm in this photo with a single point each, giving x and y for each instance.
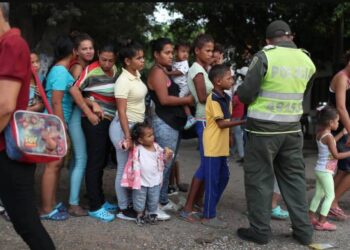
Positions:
(157, 80)
(199, 84)
(340, 87)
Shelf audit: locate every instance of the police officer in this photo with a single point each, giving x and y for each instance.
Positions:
(274, 88)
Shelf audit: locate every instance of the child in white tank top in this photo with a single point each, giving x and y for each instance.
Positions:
(328, 155)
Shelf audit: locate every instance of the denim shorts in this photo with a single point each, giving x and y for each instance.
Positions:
(344, 164)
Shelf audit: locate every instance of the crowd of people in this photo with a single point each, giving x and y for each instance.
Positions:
(103, 107)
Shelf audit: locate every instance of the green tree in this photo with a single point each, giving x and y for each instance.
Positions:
(115, 22)
(105, 22)
(317, 24)
(41, 22)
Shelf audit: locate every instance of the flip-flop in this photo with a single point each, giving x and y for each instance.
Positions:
(279, 214)
(55, 215)
(197, 215)
(61, 207)
(190, 217)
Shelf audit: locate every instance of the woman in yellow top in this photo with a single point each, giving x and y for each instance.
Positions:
(130, 93)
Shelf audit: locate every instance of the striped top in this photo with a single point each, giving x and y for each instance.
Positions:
(94, 82)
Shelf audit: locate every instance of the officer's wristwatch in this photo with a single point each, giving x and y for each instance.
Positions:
(91, 98)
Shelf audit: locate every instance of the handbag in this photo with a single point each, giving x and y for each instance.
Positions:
(34, 137)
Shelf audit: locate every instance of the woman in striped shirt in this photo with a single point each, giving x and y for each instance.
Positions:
(93, 92)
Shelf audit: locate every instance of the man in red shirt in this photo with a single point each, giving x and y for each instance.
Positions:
(17, 179)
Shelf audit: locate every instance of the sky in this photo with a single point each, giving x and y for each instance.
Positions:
(162, 15)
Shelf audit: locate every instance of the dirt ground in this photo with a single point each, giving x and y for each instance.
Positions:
(87, 233)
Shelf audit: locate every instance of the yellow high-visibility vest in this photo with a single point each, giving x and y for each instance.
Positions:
(282, 90)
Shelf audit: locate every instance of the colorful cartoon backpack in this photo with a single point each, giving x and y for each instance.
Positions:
(34, 137)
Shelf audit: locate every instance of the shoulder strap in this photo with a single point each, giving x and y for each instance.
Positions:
(41, 91)
(323, 136)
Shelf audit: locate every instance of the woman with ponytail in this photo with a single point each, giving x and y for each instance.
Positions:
(130, 93)
(58, 82)
(340, 98)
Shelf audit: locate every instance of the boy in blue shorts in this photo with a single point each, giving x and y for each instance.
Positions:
(216, 142)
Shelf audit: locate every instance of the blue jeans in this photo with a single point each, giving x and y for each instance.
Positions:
(165, 136)
(238, 135)
(199, 126)
(216, 179)
(146, 196)
(116, 134)
(78, 163)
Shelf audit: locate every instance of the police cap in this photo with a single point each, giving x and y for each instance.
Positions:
(278, 28)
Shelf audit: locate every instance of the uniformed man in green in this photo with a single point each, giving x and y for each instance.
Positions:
(274, 88)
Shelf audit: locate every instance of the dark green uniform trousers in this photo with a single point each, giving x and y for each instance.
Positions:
(282, 154)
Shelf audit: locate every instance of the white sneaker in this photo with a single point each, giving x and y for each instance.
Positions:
(161, 215)
(171, 206)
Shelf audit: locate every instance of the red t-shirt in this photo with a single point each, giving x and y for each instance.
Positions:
(15, 65)
(238, 108)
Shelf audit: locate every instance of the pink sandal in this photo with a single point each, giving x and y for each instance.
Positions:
(336, 213)
(326, 226)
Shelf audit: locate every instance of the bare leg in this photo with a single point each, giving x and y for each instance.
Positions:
(313, 216)
(195, 187)
(322, 219)
(275, 199)
(49, 183)
(338, 177)
(198, 200)
(172, 175)
(341, 188)
(176, 170)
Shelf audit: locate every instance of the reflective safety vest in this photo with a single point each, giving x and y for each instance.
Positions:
(282, 90)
